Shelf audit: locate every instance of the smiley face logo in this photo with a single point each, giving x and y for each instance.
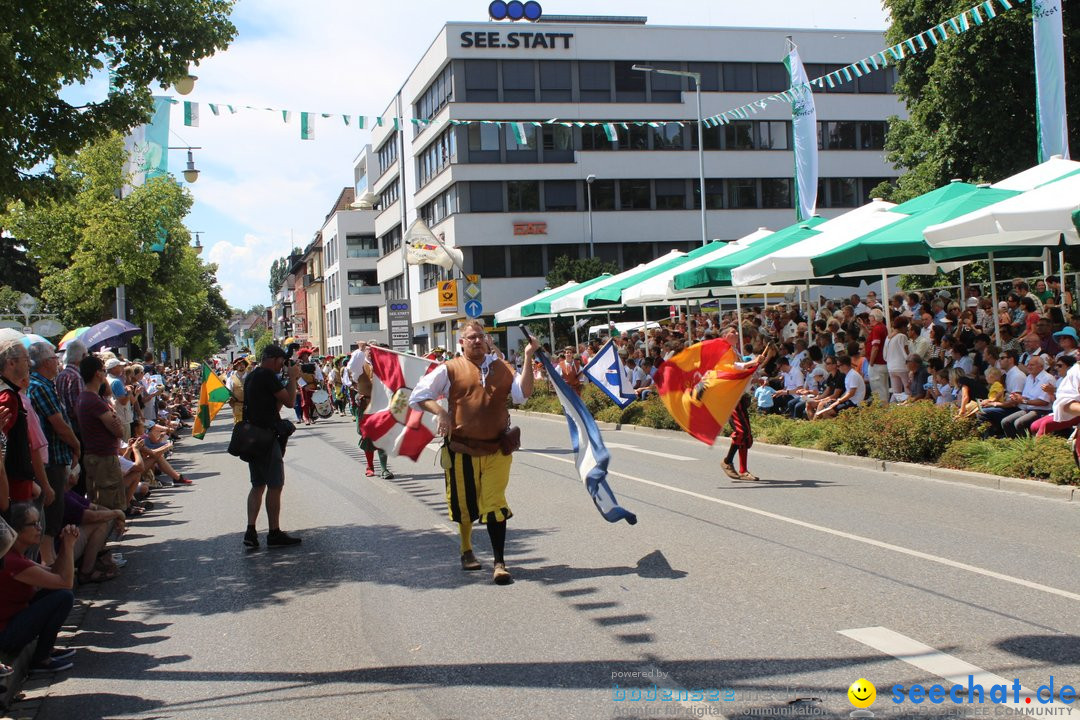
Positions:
(862, 693)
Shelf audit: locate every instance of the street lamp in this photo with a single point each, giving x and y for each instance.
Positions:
(589, 180)
(190, 173)
(696, 77)
(198, 244)
(185, 84)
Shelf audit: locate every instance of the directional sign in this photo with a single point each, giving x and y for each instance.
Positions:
(473, 308)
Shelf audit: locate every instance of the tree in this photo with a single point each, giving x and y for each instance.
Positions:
(279, 269)
(971, 100)
(566, 269)
(16, 269)
(47, 45)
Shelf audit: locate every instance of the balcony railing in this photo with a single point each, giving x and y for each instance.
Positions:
(363, 327)
(363, 253)
(364, 289)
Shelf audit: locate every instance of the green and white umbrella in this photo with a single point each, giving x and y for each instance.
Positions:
(513, 314)
(609, 291)
(540, 306)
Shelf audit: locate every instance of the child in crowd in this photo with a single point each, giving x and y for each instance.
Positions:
(764, 393)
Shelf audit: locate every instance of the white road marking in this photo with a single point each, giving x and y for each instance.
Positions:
(841, 534)
(647, 452)
(948, 667)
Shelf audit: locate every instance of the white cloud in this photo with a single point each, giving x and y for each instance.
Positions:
(244, 268)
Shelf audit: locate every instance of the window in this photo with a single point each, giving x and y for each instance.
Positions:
(554, 252)
(868, 185)
(519, 81)
(489, 261)
(872, 135)
(595, 81)
(485, 196)
(526, 260)
(437, 156)
(670, 194)
(594, 138)
(742, 193)
(387, 197)
(776, 193)
(388, 153)
(772, 77)
(668, 136)
(609, 253)
(634, 195)
(878, 81)
(394, 288)
(710, 75)
(358, 246)
(629, 83)
(560, 195)
(633, 137)
(714, 194)
(603, 194)
(635, 254)
(738, 77)
(665, 88)
(331, 247)
(432, 275)
(483, 143)
(555, 81)
(558, 144)
(481, 81)
(363, 319)
(438, 94)
(523, 195)
(838, 192)
(363, 282)
(816, 71)
(441, 207)
(836, 135)
(391, 241)
(711, 135)
(739, 135)
(520, 150)
(773, 135)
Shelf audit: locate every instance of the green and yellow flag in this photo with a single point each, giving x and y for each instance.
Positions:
(212, 395)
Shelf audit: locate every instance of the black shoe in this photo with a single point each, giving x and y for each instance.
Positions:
(276, 538)
(62, 653)
(251, 539)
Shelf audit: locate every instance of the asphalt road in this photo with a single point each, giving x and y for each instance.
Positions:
(763, 593)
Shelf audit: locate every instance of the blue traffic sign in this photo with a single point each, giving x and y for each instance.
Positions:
(473, 308)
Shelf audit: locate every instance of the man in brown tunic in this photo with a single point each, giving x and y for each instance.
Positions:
(476, 386)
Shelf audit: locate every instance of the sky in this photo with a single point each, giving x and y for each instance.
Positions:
(263, 190)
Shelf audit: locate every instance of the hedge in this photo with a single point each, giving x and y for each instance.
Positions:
(919, 433)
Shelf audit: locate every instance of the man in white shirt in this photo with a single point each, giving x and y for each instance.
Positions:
(793, 379)
(854, 391)
(994, 412)
(1035, 399)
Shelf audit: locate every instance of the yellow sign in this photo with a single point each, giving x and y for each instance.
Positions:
(448, 300)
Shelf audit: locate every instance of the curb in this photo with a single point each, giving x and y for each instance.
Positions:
(1037, 488)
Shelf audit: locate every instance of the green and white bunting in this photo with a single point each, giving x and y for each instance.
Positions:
(307, 126)
(191, 114)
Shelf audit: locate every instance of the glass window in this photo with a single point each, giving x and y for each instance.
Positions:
(394, 288)
(555, 81)
(670, 194)
(836, 135)
(432, 275)
(560, 195)
(842, 192)
(773, 135)
(772, 77)
(633, 137)
(594, 138)
(519, 80)
(485, 196)
(558, 144)
(609, 252)
(776, 193)
(594, 79)
(635, 254)
(523, 195)
(483, 143)
(363, 319)
(437, 94)
(603, 194)
(629, 83)
(872, 135)
(388, 153)
(742, 193)
(524, 150)
(711, 136)
(868, 185)
(481, 81)
(391, 240)
(357, 246)
(739, 135)
(363, 282)
(710, 75)
(738, 77)
(489, 261)
(554, 252)
(668, 137)
(526, 260)
(816, 71)
(714, 194)
(665, 88)
(634, 195)
(874, 82)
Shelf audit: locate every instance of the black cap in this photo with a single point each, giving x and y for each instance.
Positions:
(273, 351)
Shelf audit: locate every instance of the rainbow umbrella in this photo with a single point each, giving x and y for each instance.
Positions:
(72, 335)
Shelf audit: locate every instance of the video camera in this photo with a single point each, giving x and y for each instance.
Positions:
(290, 349)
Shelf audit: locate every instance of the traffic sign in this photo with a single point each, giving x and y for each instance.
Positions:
(473, 308)
(448, 296)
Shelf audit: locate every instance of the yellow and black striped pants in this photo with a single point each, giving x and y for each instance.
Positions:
(476, 486)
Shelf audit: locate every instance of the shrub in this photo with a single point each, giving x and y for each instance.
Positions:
(1045, 458)
(655, 414)
(611, 414)
(595, 400)
(919, 432)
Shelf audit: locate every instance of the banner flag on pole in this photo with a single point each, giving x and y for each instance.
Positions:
(421, 246)
(307, 126)
(591, 456)
(147, 147)
(605, 370)
(212, 396)
(1051, 120)
(390, 424)
(191, 114)
(804, 124)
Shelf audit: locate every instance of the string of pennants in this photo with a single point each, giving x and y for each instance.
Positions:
(921, 42)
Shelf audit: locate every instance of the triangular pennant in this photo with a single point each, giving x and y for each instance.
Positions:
(214, 109)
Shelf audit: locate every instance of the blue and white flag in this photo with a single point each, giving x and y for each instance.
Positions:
(591, 457)
(1051, 119)
(804, 127)
(605, 371)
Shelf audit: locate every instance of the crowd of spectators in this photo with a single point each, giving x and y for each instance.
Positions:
(85, 439)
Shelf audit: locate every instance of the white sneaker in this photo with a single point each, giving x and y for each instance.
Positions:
(166, 481)
(118, 560)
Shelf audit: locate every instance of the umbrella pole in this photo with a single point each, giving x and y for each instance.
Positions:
(738, 318)
(885, 297)
(994, 300)
(576, 343)
(963, 290)
(809, 315)
(1061, 270)
(645, 327)
(551, 333)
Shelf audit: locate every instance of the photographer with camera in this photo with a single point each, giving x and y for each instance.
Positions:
(264, 396)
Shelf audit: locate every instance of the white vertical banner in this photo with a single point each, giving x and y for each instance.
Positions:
(1052, 124)
(804, 124)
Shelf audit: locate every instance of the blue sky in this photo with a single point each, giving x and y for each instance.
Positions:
(262, 188)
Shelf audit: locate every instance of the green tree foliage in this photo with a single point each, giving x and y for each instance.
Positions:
(265, 338)
(971, 100)
(16, 269)
(87, 241)
(278, 270)
(46, 45)
(566, 269)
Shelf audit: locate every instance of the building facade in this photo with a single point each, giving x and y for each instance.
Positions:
(517, 198)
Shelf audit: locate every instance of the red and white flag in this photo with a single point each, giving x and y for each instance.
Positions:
(391, 424)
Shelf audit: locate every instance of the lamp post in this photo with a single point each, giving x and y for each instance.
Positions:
(589, 180)
(198, 243)
(190, 173)
(696, 77)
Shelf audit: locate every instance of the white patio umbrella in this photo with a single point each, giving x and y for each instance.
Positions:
(513, 314)
(574, 301)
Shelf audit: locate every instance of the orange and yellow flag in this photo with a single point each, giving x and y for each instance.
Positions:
(700, 387)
